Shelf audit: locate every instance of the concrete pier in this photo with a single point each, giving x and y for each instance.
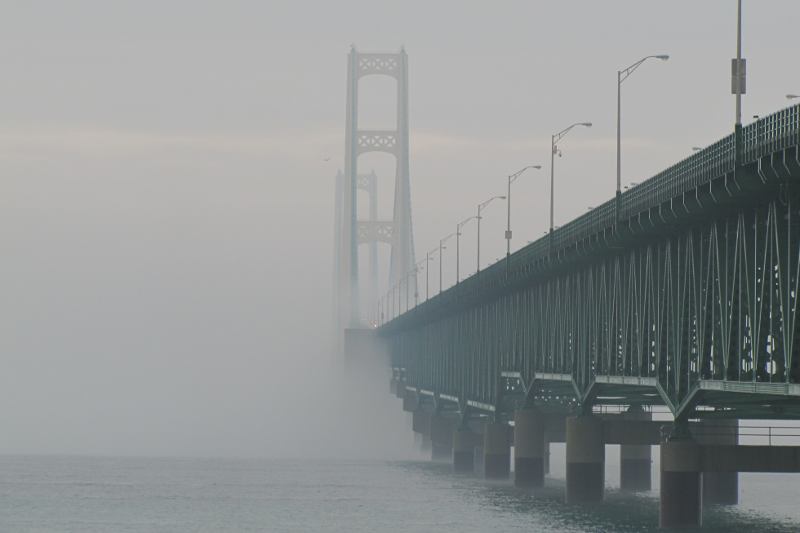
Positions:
(410, 400)
(681, 503)
(529, 448)
(635, 461)
(585, 459)
(421, 422)
(496, 451)
(719, 488)
(441, 432)
(464, 449)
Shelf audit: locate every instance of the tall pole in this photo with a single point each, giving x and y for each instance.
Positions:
(427, 276)
(553, 149)
(458, 245)
(442, 247)
(481, 206)
(739, 64)
(458, 251)
(552, 177)
(619, 137)
(479, 240)
(508, 222)
(511, 179)
(440, 265)
(622, 75)
(407, 287)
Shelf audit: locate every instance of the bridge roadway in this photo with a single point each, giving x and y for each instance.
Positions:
(680, 293)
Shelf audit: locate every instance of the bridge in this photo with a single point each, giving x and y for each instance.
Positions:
(680, 295)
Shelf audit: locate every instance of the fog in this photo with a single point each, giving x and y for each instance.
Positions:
(166, 190)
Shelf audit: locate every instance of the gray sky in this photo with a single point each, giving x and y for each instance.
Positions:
(166, 210)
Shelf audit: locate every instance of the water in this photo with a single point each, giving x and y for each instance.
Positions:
(86, 494)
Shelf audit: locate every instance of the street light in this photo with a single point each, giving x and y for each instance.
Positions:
(419, 266)
(458, 245)
(442, 247)
(696, 148)
(511, 179)
(738, 70)
(427, 273)
(481, 207)
(623, 75)
(553, 150)
(407, 280)
(792, 96)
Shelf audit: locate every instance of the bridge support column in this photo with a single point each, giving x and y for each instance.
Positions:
(410, 400)
(720, 488)
(421, 424)
(585, 459)
(441, 432)
(529, 448)
(496, 451)
(463, 449)
(546, 458)
(635, 460)
(681, 502)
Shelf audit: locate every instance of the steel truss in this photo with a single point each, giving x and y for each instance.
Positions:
(696, 311)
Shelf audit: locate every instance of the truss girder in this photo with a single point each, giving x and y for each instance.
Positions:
(691, 298)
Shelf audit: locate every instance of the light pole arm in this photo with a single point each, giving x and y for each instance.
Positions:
(561, 134)
(483, 205)
(626, 72)
(513, 177)
(464, 222)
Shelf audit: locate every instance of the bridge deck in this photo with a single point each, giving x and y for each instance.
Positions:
(685, 294)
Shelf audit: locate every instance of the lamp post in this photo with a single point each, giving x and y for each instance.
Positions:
(427, 272)
(419, 266)
(408, 275)
(441, 256)
(396, 299)
(481, 207)
(458, 245)
(623, 75)
(739, 69)
(511, 179)
(553, 150)
(792, 96)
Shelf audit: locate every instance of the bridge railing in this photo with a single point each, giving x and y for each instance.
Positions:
(772, 133)
(769, 134)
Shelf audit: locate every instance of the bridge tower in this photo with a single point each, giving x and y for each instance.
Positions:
(350, 230)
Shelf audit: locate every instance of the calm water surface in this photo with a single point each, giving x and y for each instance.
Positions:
(48, 494)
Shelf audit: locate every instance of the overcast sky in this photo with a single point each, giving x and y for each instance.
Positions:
(166, 207)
